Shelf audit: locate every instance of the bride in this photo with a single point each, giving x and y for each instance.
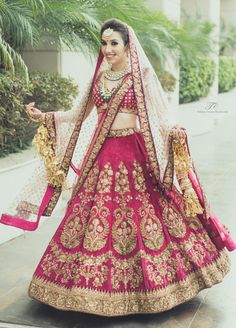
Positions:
(138, 235)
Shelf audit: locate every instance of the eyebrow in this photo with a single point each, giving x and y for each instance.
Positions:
(110, 40)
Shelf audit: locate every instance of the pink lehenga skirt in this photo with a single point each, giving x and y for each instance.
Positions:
(122, 246)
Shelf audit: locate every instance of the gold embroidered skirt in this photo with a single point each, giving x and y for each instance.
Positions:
(122, 246)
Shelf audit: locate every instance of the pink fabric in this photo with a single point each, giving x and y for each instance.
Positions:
(119, 199)
(28, 225)
(129, 100)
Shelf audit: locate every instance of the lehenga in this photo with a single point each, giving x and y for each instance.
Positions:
(124, 246)
(138, 235)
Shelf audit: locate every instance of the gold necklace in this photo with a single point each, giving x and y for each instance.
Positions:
(116, 75)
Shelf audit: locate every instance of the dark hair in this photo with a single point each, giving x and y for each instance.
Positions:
(117, 26)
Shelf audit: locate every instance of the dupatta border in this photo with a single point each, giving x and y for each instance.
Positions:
(92, 153)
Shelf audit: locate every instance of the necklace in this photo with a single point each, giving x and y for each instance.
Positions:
(105, 93)
(116, 75)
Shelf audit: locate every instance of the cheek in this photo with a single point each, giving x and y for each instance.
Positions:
(121, 51)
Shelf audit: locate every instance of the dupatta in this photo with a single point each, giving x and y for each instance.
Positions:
(68, 145)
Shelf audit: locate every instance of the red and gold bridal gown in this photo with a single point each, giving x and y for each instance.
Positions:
(123, 245)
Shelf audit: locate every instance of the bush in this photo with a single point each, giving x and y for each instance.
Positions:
(50, 93)
(227, 73)
(167, 80)
(196, 78)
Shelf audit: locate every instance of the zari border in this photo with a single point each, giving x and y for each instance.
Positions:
(142, 110)
(69, 152)
(124, 303)
(122, 132)
(102, 134)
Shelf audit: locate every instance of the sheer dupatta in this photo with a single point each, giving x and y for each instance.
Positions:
(66, 142)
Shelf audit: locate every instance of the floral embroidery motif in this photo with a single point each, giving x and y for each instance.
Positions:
(122, 181)
(124, 229)
(150, 226)
(139, 180)
(105, 179)
(97, 228)
(90, 182)
(127, 273)
(74, 227)
(173, 220)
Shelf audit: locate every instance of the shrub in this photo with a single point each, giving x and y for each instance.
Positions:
(227, 73)
(50, 93)
(196, 78)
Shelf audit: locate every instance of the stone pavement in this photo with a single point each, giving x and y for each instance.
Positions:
(214, 155)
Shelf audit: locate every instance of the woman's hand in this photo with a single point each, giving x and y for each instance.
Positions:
(34, 113)
(177, 132)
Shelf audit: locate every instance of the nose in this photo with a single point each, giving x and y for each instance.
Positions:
(108, 49)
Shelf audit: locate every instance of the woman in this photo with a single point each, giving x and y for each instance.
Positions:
(138, 235)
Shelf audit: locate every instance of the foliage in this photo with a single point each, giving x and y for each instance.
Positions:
(227, 73)
(227, 38)
(50, 92)
(76, 24)
(168, 81)
(196, 79)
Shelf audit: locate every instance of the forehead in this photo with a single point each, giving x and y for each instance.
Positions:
(115, 35)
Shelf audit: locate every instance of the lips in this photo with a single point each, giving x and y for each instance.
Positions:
(109, 56)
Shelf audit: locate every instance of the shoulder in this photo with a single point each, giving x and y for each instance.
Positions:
(99, 75)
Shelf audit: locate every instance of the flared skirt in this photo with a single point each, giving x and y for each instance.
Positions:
(123, 247)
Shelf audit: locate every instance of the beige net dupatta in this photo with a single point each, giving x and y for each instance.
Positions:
(61, 142)
(169, 163)
(66, 142)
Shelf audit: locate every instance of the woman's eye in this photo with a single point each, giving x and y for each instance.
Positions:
(114, 43)
(103, 43)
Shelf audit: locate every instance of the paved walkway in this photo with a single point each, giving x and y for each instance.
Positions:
(214, 155)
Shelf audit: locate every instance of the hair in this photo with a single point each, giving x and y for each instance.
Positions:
(117, 26)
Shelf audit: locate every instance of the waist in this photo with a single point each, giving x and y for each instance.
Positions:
(123, 132)
(120, 110)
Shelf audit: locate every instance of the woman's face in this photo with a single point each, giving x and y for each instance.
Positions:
(113, 48)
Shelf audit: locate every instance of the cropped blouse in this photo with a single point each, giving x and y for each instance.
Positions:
(128, 103)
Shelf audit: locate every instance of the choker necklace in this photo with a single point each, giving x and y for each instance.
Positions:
(116, 75)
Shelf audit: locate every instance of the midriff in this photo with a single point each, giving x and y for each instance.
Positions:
(124, 120)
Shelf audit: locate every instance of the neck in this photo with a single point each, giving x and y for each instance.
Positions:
(118, 67)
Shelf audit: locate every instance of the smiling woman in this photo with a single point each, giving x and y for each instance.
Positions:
(138, 235)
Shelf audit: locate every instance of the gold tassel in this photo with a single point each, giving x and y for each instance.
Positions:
(44, 145)
(182, 165)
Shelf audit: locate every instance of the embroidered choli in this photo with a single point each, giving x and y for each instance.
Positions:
(128, 103)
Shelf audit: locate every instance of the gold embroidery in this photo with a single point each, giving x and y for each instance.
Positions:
(98, 227)
(74, 226)
(139, 180)
(110, 115)
(128, 302)
(150, 226)
(182, 165)
(122, 132)
(124, 230)
(173, 220)
(91, 180)
(105, 179)
(127, 273)
(27, 207)
(142, 111)
(44, 140)
(122, 181)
